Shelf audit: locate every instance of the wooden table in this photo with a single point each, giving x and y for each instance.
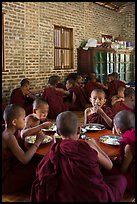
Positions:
(111, 150)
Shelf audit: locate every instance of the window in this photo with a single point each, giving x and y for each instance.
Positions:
(63, 48)
(3, 64)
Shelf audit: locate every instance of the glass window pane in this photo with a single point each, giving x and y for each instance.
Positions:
(67, 58)
(58, 58)
(122, 67)
(122, 57)
(98, 68)
(57, 38)
(97, 56)
(122, 76)
(102, 57)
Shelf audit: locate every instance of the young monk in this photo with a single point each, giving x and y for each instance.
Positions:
(119, 96)
(115, 83)
(22, 96)
(128, 103)
(91, 85)
(70, 171)
(70, 83)
(38, 119)
(54, 98)
(124, 125)
(18, 167)
(98, 113)
(76, 98)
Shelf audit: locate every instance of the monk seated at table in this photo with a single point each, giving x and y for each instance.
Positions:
(124, 125)
(38, 119)
(54, 98)
(18, 166)
(114, 85)
(22, 96)
(91, 85)
(99, 112)
(128, 103)
(119, 96)
(70, 171)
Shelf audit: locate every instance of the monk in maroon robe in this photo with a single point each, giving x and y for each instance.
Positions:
(127, 123)
(70, 171)
(18, 165)
(99, 112)
(54, 97)
(20, 96)
(91, 85)
(128, 103)
(80, 99)
(96, 118)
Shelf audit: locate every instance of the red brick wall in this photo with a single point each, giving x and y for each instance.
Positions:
(29, 39)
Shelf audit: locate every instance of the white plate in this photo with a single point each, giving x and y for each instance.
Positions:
(94, 126)
(31, 139)
(112, 140)
(83, 130)
(53, 128)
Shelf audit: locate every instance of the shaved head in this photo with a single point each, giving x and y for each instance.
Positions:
(67, 123)
(124, 120)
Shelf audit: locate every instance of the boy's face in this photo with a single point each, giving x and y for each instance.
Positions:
(42, 112)
(26, 89)
(121, 93)
(108, 79)
(97, 98)
(68, 85)
(20, 121)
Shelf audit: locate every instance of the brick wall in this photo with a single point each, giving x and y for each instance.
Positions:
(29, 37)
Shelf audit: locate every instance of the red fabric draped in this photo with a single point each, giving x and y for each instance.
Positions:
(96, 118)
(80, 102)
(127, 138)
(113, 87)
(55, 101)
(70, 173)
(18, 98)
(118, 106)
(89, 87)
(16, 176)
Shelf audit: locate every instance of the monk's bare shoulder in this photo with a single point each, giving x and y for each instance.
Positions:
(88, 110)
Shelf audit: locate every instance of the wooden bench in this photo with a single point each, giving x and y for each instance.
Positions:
(16, 197)
(128, 197)
(22, 197)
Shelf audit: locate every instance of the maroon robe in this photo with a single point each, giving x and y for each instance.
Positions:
(60, 85)
(118, 106)
(18, 98)
(17, 176)
(70, 173)
(127, 138)
(96, 118)
(80, 102)
(55, 100)
(89, 87)
(113, 87)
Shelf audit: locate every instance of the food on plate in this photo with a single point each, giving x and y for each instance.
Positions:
(52, 128)
(32, 139)
(112, 140)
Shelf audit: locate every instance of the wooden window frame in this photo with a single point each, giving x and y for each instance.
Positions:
(62, 48)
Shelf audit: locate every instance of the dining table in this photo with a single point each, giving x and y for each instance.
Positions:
(111, 150)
